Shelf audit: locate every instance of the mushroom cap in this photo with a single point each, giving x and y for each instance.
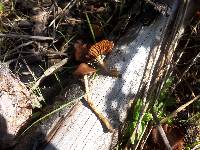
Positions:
(83, 69)
(100, 48)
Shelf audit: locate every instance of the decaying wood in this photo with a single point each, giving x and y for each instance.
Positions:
(15, 106)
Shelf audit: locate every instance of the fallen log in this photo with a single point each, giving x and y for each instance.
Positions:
(135, 56)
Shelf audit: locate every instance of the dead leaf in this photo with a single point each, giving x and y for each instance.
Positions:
(83, 69)
(80, 50)
(40, 18)
(95, 8)
(198, 13)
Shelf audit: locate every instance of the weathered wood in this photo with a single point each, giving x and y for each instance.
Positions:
(15, 106)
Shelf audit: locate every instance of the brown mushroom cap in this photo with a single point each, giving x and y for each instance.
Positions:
(83, 69)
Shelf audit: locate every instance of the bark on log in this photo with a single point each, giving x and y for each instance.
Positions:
(15, 106)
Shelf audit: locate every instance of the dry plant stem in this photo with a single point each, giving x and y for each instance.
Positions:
(50, 71)
(41, 38)
(161, 132)
(100, 115)
(94, 109)
(187, 69)
(190, 88)
(143, 143)
(67, 8)
(164, 137)
(86, 85)
(182, 107)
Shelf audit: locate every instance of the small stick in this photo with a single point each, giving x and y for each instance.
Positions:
(94, 109)
(164, 137)
(42, 38)
(161, 132)
(173, 114)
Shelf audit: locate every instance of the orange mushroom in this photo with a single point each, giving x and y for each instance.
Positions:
(85, 54)
(97, 50)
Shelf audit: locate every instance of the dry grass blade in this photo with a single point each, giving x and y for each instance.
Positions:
(16, 48)
(182, 107)
(186, 70)
(50, 71)
(49, 114)
(41, 38)
(91, 30)
(67, 7)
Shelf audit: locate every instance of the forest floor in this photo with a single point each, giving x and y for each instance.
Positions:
(35, 35)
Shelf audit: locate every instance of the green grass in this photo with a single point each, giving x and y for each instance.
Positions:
(164, 100)
(49, 114)
(141, 118)
(90, 26)
(1, 8)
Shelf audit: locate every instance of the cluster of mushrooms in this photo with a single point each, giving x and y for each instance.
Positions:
(85, 54)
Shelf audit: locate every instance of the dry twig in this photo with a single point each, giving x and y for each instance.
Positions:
(182, 107)
(42, 38)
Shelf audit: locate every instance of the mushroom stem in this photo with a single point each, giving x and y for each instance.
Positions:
(86, 85)
(103, 119)
(102, 64)
(110, 72)
(87, 98)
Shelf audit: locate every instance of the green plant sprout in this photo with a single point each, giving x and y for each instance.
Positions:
(164, 100)
(1, 8)
(51, 113)
(136, 116)
(146, 118)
